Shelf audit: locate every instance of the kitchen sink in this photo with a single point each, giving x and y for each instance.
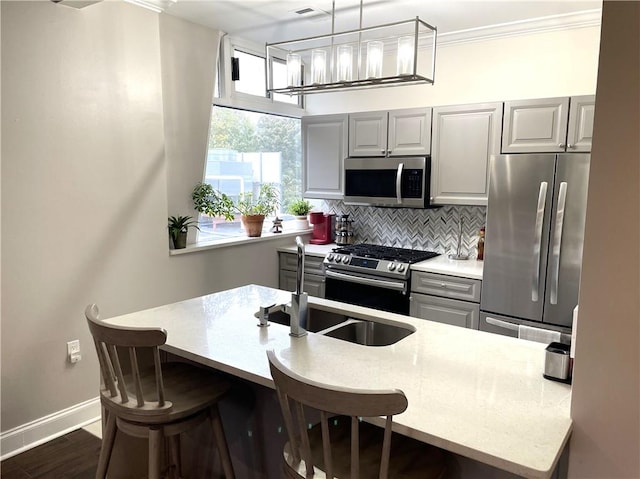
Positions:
(370, 333)
(346, 328)
(317, 319)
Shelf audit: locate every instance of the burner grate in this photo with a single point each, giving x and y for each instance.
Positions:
(389, 253)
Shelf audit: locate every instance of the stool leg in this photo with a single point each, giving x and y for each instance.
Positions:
(174, 443)
(221, 442)
(107, 447)
(155, 443)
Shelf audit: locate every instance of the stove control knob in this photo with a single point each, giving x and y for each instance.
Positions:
(400, 268)
(391, 266)
(330, 257)
(345, 259)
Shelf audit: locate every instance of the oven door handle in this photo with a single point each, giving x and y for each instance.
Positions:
(379, 283)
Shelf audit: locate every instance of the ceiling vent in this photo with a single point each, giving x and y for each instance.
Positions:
(310, 13)
(305, 11)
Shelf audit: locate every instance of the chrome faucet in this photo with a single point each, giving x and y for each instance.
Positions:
(299, 309)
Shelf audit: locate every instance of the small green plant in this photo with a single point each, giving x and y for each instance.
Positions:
(208, 200)
(300, 207)
(180, 224)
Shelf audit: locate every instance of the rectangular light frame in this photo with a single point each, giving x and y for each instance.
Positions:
(419, 30)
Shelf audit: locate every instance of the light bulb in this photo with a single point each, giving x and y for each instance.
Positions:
(375, 51)
(293, 69)
(345, 63)
(318, 66)
(405, 55)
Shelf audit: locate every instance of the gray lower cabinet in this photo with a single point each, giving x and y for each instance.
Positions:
(445, 299)
(313, 275)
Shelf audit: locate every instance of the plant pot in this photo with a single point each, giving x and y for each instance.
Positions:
(253, 225)
(301, 223)
(180, 241)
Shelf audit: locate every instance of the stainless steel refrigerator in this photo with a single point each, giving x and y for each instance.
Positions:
(534, 236)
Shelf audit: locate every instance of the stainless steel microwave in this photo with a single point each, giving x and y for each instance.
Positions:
(400, 182)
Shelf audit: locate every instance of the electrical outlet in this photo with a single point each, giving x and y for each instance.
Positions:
(73, 351)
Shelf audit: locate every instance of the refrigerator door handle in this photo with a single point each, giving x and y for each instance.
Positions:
(557, 243)
(502, 324)
(537, 240)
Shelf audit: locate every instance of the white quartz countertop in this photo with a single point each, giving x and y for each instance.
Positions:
(440, 264)
(470, 392)
(320, 250)
(470, 268)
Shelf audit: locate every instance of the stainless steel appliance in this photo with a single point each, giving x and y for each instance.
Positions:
(400, 182)
(371, 275)
(533, 245)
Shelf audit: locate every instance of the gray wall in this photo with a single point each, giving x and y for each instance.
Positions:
(85, 186)
(606, 388)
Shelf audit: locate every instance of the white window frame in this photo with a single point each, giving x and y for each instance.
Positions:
(231, 98)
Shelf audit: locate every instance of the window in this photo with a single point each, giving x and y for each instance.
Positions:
(247, 149)
(252, 71)
(252, 77)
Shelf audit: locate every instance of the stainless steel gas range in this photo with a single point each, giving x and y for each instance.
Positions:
(372, 275)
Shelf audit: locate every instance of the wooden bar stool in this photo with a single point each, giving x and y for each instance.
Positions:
(341, 445)
(161, 401)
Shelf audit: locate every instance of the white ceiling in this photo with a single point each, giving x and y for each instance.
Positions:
(275, 20)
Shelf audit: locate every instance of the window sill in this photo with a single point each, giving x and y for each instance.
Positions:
(202, 246)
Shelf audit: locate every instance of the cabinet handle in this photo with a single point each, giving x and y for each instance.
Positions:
(382, 151)
(561, 145)
(389, 152)
(571, 146)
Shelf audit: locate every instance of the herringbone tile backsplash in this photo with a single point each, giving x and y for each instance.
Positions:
(431, 229)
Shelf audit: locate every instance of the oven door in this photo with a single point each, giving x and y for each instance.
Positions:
(366, 290)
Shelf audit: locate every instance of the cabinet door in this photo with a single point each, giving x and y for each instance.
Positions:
(442, 310)
(409, 132)
(324, 147)
(464, 137)
(313, 284)
(368, 134)
(580, 130)
(535, 126)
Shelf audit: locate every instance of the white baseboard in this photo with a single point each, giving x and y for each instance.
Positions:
(34, 433)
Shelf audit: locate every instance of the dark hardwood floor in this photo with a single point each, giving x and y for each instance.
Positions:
(72, 456)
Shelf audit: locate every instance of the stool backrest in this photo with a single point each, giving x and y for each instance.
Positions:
(124, 392)
(297, 391)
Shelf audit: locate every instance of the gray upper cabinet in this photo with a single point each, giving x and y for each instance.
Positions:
(368, 133)
(535, 126)
(394, 133)
(580, 130)
(464, 137)
(548, 125)
(324, 147)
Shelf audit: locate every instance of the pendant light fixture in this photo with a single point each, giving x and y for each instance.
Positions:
(367, 57)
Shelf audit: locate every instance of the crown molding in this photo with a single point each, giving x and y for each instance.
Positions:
(567, 21)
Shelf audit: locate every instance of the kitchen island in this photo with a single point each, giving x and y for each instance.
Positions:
(475, 394)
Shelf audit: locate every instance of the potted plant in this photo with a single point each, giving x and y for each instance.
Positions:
(252, 208)
(300, 209)
(178, 228)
